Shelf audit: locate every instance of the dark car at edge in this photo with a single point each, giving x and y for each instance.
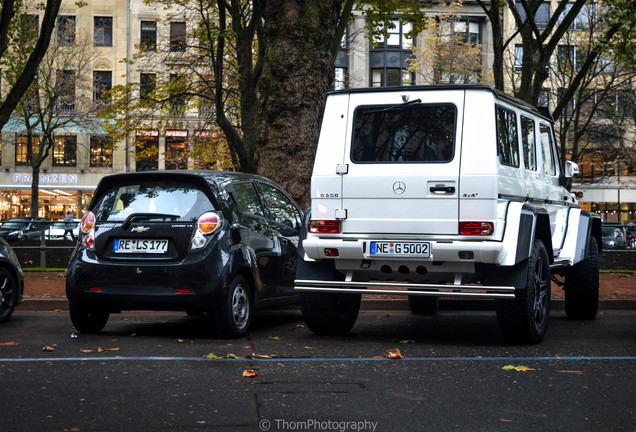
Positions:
(213, 242)
(11, 281)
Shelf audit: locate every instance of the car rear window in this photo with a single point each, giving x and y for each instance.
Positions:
(404, 133)
(177, 198)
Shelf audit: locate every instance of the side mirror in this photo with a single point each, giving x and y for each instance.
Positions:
(571, 169)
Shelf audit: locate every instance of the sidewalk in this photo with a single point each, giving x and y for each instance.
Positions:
(45, 291)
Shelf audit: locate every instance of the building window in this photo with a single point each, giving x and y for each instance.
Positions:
(390, 57)
(541, 16)
(65, 150)
(177, 36)
(176, 150)
(102, 83)
(65, 89)
(148, 36)
(147, 85)
(66, 30)
(507, 147)
(176, 94)
(103, 31)
(21, 149)
(566, 58)
(469, 31)
(518, 58)
(101, 151)
(147, 151)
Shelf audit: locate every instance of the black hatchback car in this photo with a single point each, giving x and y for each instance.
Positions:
(221, 243)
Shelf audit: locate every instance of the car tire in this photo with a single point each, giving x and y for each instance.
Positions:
(582, 285)
(8, 294)
(233, 318)
(524, 320)
(87, 318)
(326, 313)
(423, 305)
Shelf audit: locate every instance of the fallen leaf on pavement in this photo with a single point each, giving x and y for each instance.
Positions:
(100, 349)
(517, 368)
(213, 356)
(48, 348)
(9, 343)
(572, 372)
(86, 350)
(394, 353)
(274, 338)
(250, 373)
(505, 420)
(405, 341)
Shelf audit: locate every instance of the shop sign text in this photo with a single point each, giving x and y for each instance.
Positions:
(47, 178)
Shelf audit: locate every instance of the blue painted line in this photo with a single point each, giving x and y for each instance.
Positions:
(318, 359)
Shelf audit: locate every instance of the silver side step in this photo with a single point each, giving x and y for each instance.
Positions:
(398, 288)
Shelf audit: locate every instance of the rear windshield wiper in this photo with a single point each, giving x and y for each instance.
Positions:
(396, 107)
(147, 216)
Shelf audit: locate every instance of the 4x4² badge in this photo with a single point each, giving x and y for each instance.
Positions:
(399, 187)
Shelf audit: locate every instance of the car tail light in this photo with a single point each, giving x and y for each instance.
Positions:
(208, 222)
(88, 222)
(324, 226)
(476, 228)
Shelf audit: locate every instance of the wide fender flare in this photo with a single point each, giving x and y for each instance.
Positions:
(524, 224)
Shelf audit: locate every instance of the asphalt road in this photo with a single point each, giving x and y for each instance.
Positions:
(149, 372)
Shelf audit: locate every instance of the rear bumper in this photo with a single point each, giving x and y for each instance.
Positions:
(398, 288)
(196, 284)
(460, 251)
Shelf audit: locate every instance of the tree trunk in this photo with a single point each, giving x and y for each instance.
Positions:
(298, 71)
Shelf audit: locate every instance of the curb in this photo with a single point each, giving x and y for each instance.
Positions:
(371, 304)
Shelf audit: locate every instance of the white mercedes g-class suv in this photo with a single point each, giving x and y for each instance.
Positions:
(443, 191)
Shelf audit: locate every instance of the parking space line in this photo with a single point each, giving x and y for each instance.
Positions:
(317, 359)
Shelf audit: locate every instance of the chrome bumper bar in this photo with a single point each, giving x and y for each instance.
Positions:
(398, 288)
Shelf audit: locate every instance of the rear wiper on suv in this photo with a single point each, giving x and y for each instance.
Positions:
(147, 216)
(396, 107)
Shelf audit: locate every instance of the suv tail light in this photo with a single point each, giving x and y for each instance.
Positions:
(476, 228)
(324, 226)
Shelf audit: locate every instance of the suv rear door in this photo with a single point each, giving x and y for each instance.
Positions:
(402, 163)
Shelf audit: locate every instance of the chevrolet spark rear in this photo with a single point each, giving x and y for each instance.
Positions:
(148, 242)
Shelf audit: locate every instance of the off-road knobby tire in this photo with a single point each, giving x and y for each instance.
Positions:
(581, 286)
(234, 317)
(8, 294)
(524, 320)
(326, 313)
(423, 305)
(87, 318)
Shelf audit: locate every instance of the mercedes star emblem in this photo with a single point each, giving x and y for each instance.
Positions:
(399, 187)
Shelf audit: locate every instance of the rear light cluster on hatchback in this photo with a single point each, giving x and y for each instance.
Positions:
(87, 227)
(207, 224)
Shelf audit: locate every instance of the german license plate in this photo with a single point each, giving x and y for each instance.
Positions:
(401, 249)
(147, 246)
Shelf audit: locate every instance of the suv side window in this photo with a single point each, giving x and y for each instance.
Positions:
(527, 140)
(507, 143)
(280, 207)
(547, 154)
(247, 198)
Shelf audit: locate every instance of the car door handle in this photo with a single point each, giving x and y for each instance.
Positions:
(441, 189)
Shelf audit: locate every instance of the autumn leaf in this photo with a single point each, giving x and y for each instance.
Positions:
(86, 350)
(263, 356)
(9, 343)
(213, 356)
(250, 373)
(406, 341)
(48, 348)
(517, 368)
(571, 372)
(232, 356)
(308, 347)
(100, 349)
(276, 338)
(505, 420)
(393, 353)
